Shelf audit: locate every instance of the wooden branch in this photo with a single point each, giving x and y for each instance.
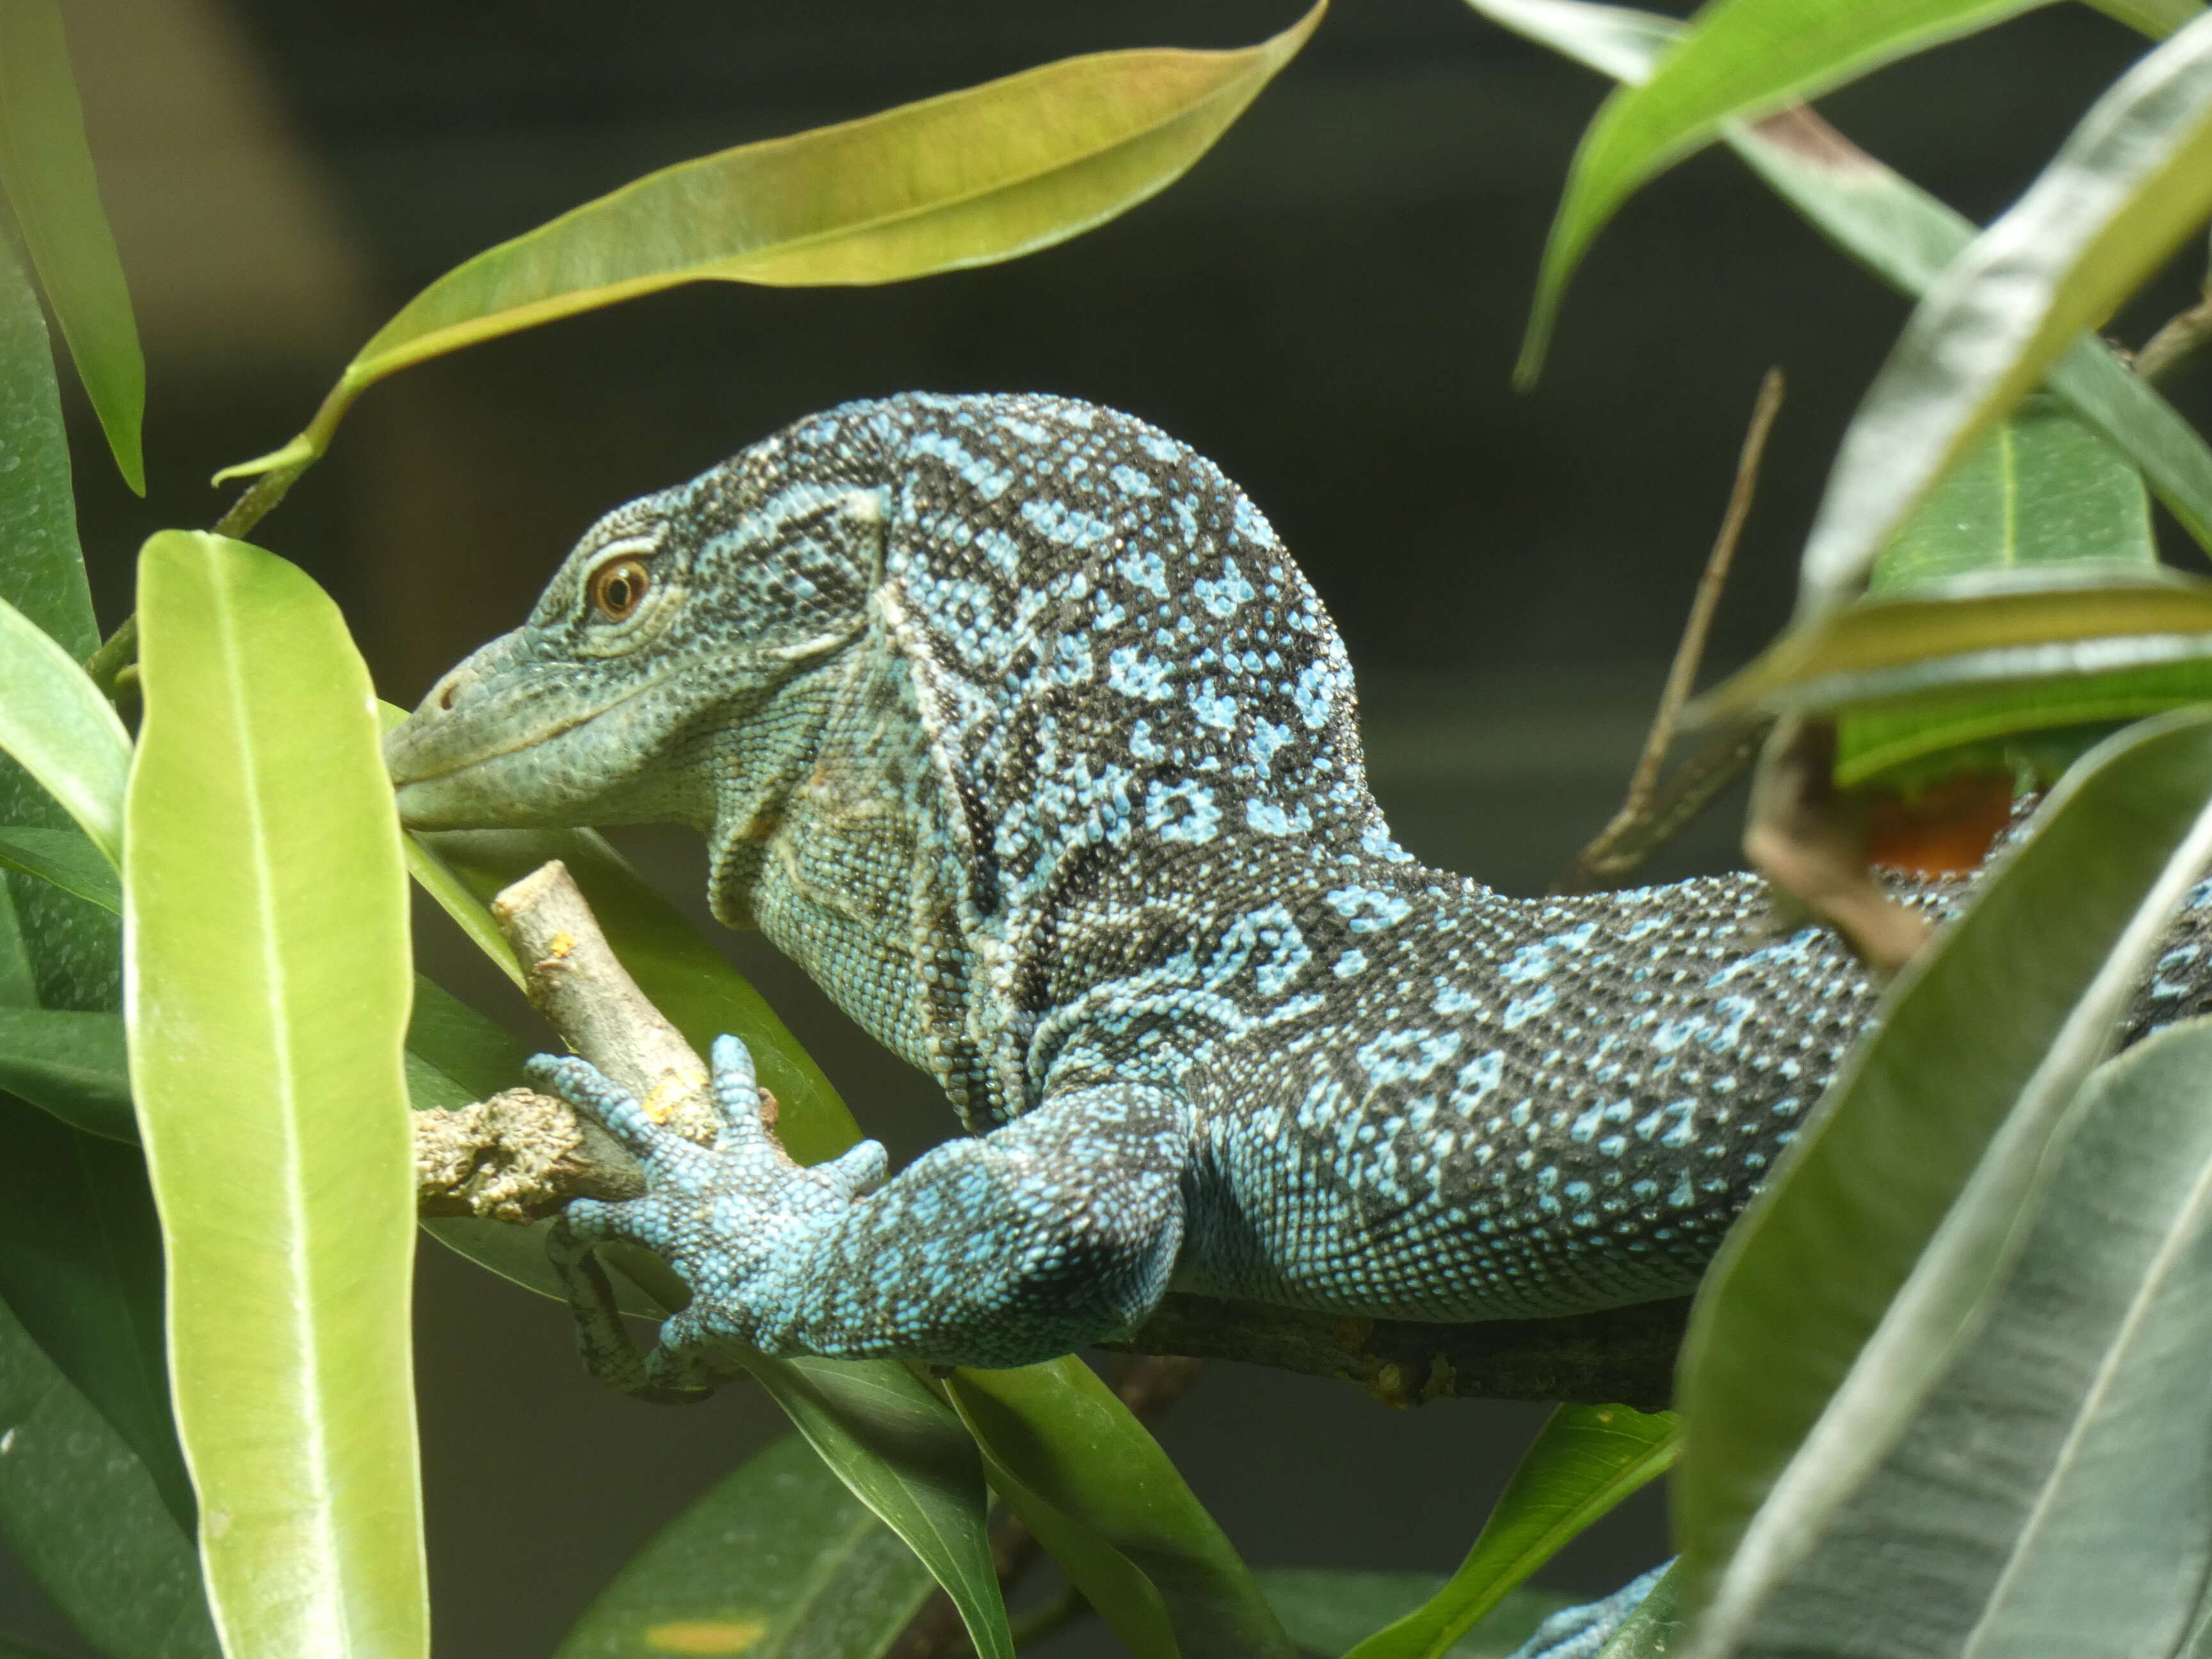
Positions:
(1623, 1356)
(1809, 840)
(520, 1155)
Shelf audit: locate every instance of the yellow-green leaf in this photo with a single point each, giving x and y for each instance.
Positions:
(265, 906)
(47, 170)
(1970, 630)
(55, 724)
(2156, 18)
(1740, 57)
(972, 177)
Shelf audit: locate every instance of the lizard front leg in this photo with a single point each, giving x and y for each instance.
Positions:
(1056, 1231)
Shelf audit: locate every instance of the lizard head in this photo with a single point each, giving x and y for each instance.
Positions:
(676, 619)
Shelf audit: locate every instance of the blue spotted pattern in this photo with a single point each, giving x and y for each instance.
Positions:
(1010, 721)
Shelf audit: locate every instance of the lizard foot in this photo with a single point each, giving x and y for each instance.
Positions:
(725, 1217)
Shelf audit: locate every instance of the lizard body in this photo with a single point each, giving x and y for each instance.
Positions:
(1010, 719)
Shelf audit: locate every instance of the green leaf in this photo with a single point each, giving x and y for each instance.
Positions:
(267, 1001)
(2049, 1493)
(58, 728)
(1970, 630)
(47, 170)
(2132, 180)
(680, 972)
(81, 1266)
(778, 1561)
(43, 575)
(84, 1519)
(1057, 1437)
(2031, 732)
(66, 859)
(1981, 1044)
(2156, 18)
(1587, 1459)
(1657, 1627)
(473, 1054)
(1897, 230)
(55, 950)
(2040, 490)
(1739, 58)
(71, 1064)
(971, 177)
(1327, 1610)
(899, 1450)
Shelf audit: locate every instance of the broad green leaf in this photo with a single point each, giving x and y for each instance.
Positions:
(55, 950)
(1898, 231)
(2132, 180)
(777, 1561)
(1971, 630)
(15, 1647)
(473, 1053)
(1655, 1629)
(2039, 491)
(81, 1267)
(266, 1063)
(2156, 18)
(2049, 1494)
(47, 170)
(71, 1064)
(43, 575)
(2031, 732)
(1587, 1459)
(1806, 1317)
(66, 859)
(85, 1520)
(2037, 488)
(1739, 58)
(58, 727)
(680, 973)
(971, 177)
(1328, 1610)
(1056, 1436)
(899, 1450)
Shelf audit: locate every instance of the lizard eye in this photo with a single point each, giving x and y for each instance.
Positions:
(617, 587)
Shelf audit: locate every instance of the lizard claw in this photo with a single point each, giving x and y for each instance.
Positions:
(736, 1088)
(589, 1089)
(722, 1216)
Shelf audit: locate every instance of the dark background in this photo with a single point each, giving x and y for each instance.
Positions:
(1329, 304)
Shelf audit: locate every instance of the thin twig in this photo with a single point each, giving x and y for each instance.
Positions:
(2183, 336)
(119, 650)
(1602, 858)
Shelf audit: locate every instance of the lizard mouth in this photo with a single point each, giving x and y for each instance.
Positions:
(442, 780)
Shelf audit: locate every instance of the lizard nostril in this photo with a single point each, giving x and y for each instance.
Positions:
(446, 696)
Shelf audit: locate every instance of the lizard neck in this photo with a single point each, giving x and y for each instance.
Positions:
(1098, 722)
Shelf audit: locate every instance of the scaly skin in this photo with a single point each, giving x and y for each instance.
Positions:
(1010, 721)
